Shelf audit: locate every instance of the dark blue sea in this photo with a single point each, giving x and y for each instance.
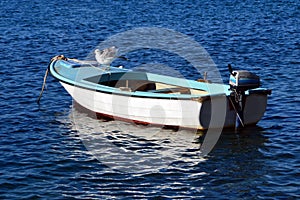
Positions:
(45, 151)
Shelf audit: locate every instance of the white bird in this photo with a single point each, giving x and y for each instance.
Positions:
(106, 56)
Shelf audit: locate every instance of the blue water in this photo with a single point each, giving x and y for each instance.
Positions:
(42, 155)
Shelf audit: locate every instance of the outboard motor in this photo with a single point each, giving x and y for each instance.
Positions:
(241, 81)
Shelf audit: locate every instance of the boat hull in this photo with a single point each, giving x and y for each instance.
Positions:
(216, 112)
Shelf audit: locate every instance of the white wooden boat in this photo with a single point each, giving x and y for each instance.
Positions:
(148, 98)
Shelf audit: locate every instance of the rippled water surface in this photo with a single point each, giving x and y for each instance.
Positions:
(46, 150)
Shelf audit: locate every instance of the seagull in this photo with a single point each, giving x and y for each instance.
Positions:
(107, 56)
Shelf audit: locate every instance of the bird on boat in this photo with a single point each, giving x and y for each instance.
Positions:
(107, 56)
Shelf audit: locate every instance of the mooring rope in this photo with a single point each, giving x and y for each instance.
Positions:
(60, 57)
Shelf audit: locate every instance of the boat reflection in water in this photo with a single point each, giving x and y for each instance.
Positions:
(129, 147)
(132, 148)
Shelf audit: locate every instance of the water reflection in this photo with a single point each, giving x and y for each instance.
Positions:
(238, 161)
(129, 147)
(135, 148)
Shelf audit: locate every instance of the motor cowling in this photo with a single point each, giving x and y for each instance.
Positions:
(242, 80)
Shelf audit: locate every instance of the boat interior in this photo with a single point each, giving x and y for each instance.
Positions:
(138, 81)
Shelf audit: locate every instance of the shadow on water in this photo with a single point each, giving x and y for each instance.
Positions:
(243, 141)
(237, 165)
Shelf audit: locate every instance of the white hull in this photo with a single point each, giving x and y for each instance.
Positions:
(172, 112)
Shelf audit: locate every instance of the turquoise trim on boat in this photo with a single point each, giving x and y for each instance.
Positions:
(82, 75)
